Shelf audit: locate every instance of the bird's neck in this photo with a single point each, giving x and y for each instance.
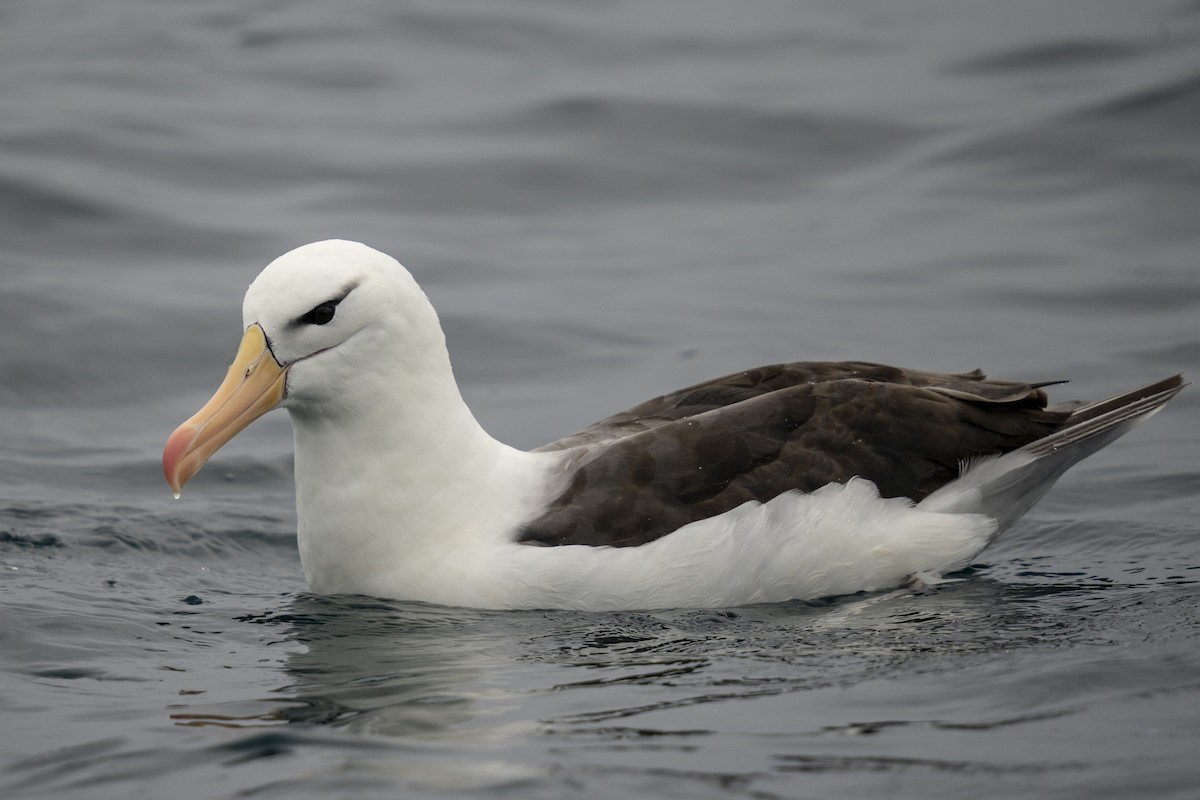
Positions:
(395, 485)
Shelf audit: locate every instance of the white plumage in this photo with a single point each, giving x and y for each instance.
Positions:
(400, 492)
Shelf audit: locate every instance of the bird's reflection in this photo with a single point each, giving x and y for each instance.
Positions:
(386, 667)
(417, 671)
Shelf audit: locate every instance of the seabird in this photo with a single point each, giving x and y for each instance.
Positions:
(792, 481)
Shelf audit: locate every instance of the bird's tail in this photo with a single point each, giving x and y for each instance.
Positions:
(1005, 487)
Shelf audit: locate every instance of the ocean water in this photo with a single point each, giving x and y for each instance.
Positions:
(605, 201)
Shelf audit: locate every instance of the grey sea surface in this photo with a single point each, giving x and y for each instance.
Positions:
(605, 201)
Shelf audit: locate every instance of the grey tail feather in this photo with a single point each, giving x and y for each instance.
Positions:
(1005, 487)
(1157, 394)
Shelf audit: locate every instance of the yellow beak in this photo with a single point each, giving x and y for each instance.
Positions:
(253, 386)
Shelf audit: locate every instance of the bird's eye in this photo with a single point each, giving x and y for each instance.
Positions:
(321, 315)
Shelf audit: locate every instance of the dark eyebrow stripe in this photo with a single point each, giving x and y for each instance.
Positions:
(350, 287)
(346, 290)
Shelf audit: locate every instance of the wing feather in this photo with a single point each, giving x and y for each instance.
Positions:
(706, 449)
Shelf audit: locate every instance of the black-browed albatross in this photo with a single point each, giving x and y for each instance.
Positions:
(793, 481)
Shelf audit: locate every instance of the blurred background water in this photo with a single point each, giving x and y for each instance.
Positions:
(606, 201)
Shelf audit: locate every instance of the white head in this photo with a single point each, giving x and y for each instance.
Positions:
(331, 329)
(336, 312)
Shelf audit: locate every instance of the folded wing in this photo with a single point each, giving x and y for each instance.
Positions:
(699, 452)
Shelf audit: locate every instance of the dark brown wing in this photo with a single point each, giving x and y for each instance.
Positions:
(707, 449)
(740, 386)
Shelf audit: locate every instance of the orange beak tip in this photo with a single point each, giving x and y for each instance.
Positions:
(173, 454)
(253, 385)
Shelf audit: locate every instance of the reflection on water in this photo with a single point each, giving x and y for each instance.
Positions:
(411, 670)
(605, 202)
(453, 698)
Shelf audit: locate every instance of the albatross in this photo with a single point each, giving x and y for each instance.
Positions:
(787, 482)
